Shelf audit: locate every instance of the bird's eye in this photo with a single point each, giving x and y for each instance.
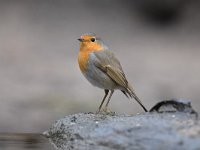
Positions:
(93, 39)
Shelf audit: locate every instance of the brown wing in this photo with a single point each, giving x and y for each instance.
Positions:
(109, 64)
(117, 75)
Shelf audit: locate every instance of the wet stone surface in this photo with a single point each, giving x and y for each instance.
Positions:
(147, 131)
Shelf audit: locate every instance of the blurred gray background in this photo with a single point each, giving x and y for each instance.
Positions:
(157, 42)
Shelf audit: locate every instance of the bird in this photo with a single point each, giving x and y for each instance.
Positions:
(102, 69)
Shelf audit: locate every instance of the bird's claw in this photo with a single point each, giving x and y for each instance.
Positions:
(105, 111)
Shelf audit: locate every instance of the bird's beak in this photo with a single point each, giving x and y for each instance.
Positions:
(81, 40)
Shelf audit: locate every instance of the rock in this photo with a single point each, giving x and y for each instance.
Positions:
(147, 131)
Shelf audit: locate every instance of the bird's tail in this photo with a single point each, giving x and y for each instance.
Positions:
(129, 92)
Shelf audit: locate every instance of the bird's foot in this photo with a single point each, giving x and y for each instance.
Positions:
(105, 111)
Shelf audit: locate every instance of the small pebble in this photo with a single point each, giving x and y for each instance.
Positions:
(173, 116)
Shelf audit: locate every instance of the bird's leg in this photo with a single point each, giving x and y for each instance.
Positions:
(106, 93)
(106, 107)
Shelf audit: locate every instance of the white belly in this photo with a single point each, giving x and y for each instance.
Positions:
(98, 78)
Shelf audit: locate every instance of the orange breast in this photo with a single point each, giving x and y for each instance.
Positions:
(83, 60)
(85, 49)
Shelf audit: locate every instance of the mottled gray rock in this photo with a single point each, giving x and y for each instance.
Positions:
(148, 131)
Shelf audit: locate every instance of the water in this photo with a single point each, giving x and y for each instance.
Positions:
(24, 141)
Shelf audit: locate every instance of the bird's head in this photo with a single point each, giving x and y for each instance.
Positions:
(90, 42)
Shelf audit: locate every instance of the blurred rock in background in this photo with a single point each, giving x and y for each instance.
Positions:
(157, 42)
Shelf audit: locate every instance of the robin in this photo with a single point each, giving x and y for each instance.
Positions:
(102, 69)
